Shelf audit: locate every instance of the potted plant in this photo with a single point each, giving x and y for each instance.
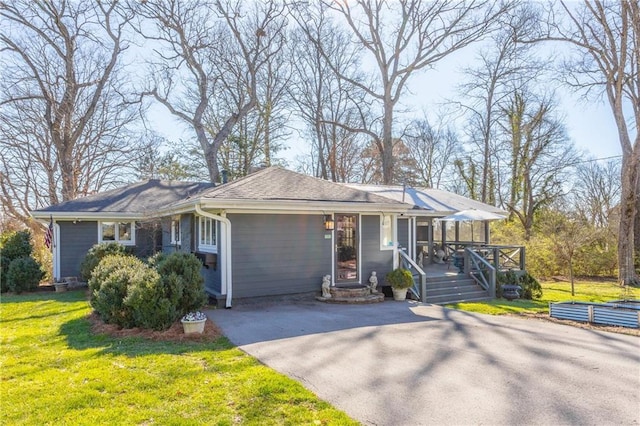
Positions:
(401, 280)
(193, 322)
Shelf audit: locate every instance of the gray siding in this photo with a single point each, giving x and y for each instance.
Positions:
(374, 259)
(75, 240)
(278, 254)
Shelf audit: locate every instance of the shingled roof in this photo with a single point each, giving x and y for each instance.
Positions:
(137, 198)
(278, 184)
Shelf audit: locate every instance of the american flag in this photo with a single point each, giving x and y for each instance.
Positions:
(48, 237)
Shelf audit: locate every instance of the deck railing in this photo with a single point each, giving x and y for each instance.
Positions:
(503, 258)
(419, 288)
(481, 271)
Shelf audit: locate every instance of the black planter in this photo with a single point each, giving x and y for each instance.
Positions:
(511, 291)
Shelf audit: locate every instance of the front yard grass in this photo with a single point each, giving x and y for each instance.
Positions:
(552, 291)
(55, 371)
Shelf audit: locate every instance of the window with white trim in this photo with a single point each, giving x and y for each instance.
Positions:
(176, 232)
(386, 232)
(207, 235)
(119, 232)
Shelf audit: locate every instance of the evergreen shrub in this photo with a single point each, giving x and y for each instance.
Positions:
(109, 285)
(13, 245)
(24, 274)
(96, 254)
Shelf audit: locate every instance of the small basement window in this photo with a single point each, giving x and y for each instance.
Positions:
(119, 232)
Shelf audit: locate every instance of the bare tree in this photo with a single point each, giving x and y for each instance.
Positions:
(489, 85)
(596, 191)
(400, 39)
(209, 50)
(540, 156)
(432, 150)
(568, 234)
(606, 38)
(328, 106)
(64, 130)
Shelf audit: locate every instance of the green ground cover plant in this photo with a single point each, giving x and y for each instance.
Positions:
(56, 371)
(553, 291)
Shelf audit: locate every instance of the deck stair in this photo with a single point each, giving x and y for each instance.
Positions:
(452, 289)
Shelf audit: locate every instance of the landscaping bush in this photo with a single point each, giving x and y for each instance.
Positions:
(531, 288)
(182, 282)
(13, 245)
(148, 303)
(24, 274)
(129, 293)
(109, 284)
(96, 254)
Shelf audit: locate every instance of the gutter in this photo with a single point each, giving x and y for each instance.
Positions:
(226, 247)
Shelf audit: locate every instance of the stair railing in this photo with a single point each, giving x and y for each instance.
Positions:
(482, 272)
(419, 289)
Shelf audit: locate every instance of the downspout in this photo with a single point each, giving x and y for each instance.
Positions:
(226, 250)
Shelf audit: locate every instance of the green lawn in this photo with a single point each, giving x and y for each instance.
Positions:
(552, 291)
(55, 371)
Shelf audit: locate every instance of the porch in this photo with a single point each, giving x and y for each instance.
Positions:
(467, 272)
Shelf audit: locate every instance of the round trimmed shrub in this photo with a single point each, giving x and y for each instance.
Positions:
(148, 303)
(24, 274)
(109, 284)
(182, 282)
(96, 254)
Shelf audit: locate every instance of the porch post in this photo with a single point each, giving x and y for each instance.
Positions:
(487, 235)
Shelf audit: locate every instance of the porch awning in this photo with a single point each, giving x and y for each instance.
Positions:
(472, 215)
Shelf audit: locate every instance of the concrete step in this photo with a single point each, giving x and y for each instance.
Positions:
(354, 300)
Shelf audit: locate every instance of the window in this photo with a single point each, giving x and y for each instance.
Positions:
(120, 232)
(386, 231)
(207, 238)
(176, 232)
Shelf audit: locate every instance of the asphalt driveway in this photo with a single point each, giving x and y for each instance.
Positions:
(402, 363)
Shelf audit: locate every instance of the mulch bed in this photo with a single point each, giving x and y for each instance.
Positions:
(174, 334)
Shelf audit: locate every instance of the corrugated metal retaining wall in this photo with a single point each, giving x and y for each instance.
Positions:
(607, 314)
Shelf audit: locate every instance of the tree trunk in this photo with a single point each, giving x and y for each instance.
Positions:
(387, 144)
(628, 213)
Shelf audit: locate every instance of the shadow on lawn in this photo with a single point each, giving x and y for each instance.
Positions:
(80, 336)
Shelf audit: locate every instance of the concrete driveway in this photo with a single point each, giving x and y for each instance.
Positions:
(402, 363)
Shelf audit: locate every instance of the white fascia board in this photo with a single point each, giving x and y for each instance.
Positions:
(87, 215)
(301, 206)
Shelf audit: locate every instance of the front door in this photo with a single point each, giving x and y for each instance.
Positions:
(346, 248)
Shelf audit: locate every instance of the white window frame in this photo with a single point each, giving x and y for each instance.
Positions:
(176, 225)
(384, 228)
(130, 242)
(207, 235)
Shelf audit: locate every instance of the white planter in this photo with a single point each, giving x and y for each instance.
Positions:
(399, 293)
(192, 327)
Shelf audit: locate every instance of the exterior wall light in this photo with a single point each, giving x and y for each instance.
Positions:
(328, 222)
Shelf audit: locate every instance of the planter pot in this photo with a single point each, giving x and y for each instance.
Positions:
(399, 293)
(193, 327)
(60, 287)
